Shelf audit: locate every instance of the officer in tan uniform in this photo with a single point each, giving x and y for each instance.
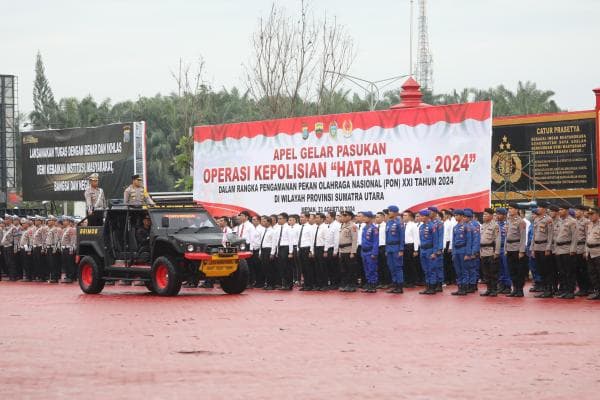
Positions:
(25, 248)
(541, 249)
(135, 194)
(8, 245)
(39, 244)
(592, 251)
(51, 250)
(565, 249)
(95, 202)
(489, 251)
(516, 241)
(347, 251)
(581, 272)
(67, 243)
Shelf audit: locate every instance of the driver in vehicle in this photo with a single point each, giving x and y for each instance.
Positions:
(142, 237)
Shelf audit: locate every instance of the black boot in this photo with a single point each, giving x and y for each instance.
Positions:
(429, 289)
(519, 293)
(595, 295)
(438, 287)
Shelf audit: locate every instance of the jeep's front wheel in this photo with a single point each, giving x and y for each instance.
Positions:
(165, 279)
(237, 282)
(90, 276)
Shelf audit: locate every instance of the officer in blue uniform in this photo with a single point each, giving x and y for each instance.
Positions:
(394, 249)
(461, 241)
(428, 250)
(504, 282)
(439, 238)
(473, 252)
(370, 251)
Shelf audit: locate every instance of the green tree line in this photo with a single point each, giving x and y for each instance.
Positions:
(308, 81)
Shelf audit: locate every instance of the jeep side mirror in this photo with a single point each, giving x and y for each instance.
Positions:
(164, 222)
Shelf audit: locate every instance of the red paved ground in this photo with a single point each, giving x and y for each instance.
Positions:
(56, 342)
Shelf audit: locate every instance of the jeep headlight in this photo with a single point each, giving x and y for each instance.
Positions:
(190, 248)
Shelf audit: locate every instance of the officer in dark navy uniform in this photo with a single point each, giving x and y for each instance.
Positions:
(370, 252)
(428, 252)
(394, 249)
(461, 240)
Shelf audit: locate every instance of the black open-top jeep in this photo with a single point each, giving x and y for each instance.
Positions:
(184, 245)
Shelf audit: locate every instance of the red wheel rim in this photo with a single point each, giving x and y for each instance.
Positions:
(162, 276)
(87, 274)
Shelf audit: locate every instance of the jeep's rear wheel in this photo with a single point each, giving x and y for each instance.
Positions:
(90, 276)
(237, 282)
(165, 278)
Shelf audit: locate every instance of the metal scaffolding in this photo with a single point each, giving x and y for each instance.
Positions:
(9, 128)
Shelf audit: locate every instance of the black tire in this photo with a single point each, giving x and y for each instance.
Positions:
(237, 282)
(166, 281)
(89, 275)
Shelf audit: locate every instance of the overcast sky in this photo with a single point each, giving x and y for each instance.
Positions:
(128, 48)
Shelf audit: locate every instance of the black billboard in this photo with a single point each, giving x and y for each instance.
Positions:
(544, 156)
(56, 163)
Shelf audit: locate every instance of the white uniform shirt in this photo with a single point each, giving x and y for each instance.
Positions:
(333, 236)
(361, 226)
(382, 227)
(281, 237)
(411, 234)
(246, 231)
(295, 234)
(449, 225)
(256, 237)
(527, 223)
(227, 230)
(308, 236)
(266, 239)
(321, 235)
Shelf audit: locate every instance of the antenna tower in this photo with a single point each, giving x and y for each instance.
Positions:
(424, 68)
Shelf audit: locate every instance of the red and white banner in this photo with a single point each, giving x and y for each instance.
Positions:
(412, 158)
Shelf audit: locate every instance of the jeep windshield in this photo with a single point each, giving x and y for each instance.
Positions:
(184, 221)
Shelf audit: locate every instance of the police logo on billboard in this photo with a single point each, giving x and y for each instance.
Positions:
(319, 129)
(304, 131)
(126, 134)
(506, 164)
(333, 129)
(347, 128)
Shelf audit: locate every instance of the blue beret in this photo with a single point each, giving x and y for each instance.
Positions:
(368, 214)
(571, 212)
(459, 212)
(534, 210)
(468, 213)
(434, 209)
(469, 209)
(393, 209)
(425, 213)
(501, 211)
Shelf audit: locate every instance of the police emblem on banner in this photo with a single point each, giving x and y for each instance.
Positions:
(126, 134)
(319, 129)
(333, 129)
(347, 128)
(506, 164)
(304, 131)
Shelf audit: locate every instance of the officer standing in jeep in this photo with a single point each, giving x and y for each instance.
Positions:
(95, 202)
(135, 194)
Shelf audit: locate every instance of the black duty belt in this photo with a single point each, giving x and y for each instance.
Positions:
(562, 243)
(344, 245)
(593, 246)
(426, 246)
(580, 243)
(393, 243)
(514, 241)
(459, 246)
(487, 245)
(541, 241)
